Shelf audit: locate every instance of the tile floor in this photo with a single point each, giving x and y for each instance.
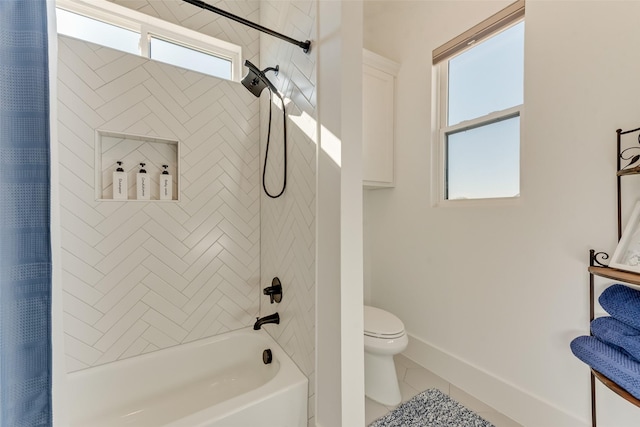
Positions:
(414, 378)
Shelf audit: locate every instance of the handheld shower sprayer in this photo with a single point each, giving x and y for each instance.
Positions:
(256, 81)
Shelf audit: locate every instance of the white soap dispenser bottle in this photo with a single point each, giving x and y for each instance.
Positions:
(120, 187)
(142, 184)
(166, 184)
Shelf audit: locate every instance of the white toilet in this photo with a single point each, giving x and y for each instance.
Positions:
(384, 336)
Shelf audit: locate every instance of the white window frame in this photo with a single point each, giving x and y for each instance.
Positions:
(148, 26)
(442, 129)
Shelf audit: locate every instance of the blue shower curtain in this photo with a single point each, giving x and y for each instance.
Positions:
(25, 246)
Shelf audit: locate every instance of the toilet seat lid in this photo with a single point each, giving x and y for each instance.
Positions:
(381, 324)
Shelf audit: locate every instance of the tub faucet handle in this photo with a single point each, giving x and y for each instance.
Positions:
(274, 291)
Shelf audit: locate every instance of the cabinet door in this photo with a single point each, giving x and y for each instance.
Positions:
(378, 89)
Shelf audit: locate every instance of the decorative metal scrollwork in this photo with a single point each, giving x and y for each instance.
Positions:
(627, 155)
(597, 258)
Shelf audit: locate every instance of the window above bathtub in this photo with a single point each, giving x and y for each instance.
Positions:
(130, 31)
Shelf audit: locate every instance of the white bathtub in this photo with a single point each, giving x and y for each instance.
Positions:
(215, 382)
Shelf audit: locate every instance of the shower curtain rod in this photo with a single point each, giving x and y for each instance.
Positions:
(305, 45)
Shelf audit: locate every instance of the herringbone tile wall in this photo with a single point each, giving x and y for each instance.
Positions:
(288, 223)
(141, 276)
(144, 276)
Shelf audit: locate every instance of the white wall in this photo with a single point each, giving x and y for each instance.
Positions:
(339, 325)
(492, 295)
(141, 276)
(192, 268)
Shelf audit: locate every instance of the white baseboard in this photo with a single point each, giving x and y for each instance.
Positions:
(522, 407)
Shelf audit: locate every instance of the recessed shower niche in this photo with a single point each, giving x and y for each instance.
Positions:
(132, 150)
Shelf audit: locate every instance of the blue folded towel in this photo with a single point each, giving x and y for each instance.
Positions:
(610, 362)
(623, 303)
(614, 332)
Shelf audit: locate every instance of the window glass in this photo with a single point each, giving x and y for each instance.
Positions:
(483, 162)
(192, 59)
(94, 31)
(118, 27)
(487, 77)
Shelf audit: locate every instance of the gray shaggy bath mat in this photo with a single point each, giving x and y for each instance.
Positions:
(431, 408)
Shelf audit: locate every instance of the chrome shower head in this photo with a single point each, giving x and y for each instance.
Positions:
(255, 80)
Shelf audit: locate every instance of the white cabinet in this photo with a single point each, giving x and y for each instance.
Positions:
(378, 119)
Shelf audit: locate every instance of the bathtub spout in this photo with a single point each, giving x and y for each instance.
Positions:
(272, 318)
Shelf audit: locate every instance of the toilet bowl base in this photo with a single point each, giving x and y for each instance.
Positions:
(381, 380)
